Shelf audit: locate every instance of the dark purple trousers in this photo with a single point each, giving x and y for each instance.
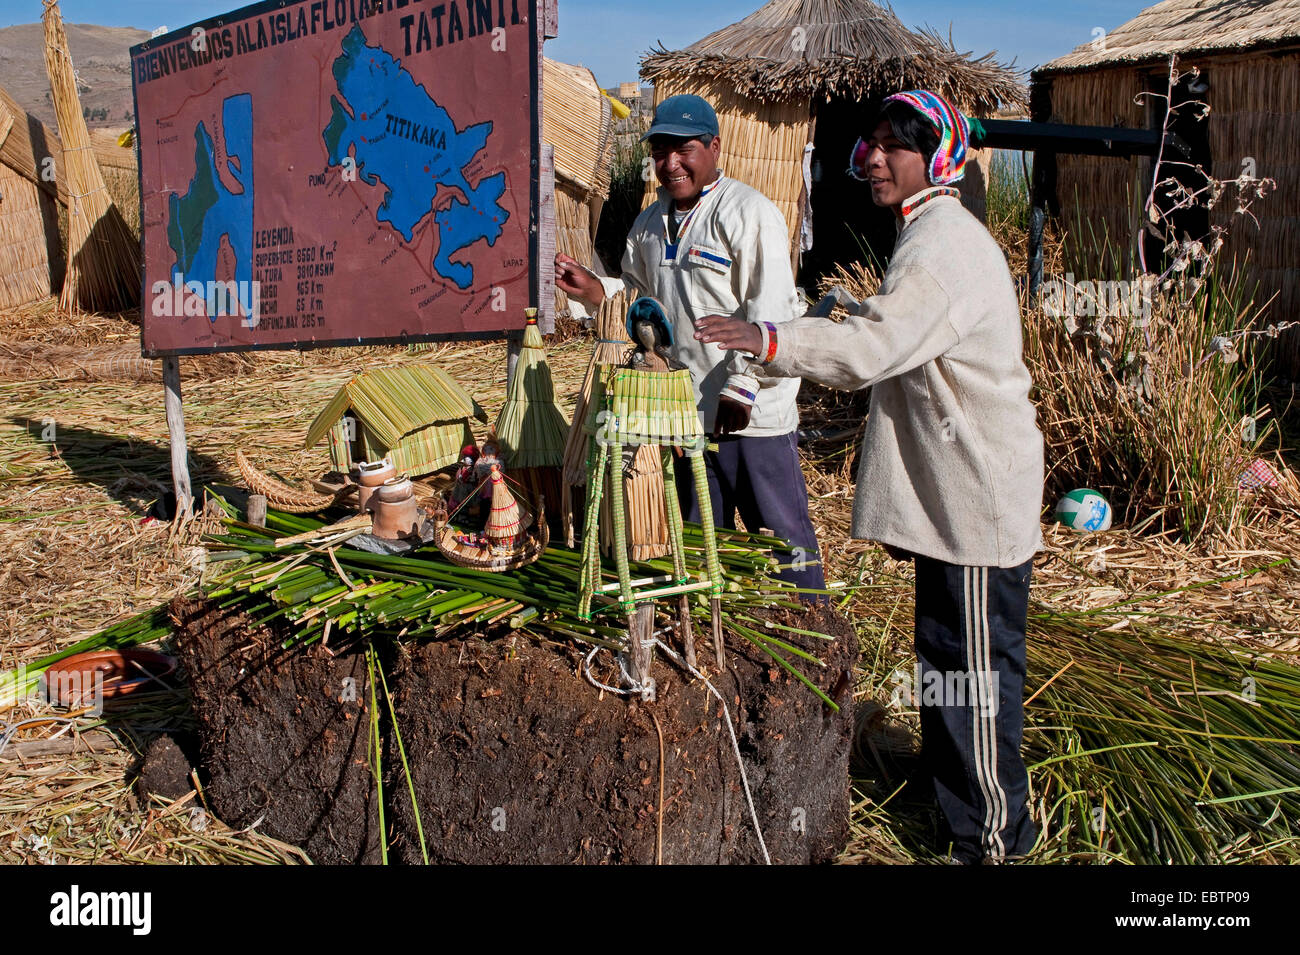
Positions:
(761, 479)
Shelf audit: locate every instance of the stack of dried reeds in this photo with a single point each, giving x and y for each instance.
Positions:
(103, 256)
(30, 161)
(577, 121)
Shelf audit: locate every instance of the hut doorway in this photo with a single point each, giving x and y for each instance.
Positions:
(847, 226)
(1189, 125)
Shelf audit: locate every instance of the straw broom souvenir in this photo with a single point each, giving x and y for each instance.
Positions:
(532, 429)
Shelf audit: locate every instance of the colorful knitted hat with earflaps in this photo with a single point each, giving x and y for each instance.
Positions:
(948, 164)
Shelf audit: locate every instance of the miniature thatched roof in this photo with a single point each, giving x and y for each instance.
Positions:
(791, 49)
(1188, 27)
(393, 402)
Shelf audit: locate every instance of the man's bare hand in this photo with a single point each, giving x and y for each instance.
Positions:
(576, 282)
(729, 333)
(732, 417)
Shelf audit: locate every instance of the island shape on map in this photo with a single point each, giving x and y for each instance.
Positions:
(403, 140)
(211, 223)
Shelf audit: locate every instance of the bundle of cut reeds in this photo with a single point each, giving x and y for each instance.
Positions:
(532, 428)
(103, 257)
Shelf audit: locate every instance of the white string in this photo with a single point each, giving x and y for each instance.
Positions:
(735, 745)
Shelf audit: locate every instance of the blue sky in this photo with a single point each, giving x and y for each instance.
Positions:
(610, 37)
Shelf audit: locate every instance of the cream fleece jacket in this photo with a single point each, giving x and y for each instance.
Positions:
(952, 462)
(732, 258)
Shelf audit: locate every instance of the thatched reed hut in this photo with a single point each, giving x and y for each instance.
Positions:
(813, 72)
(1248, 58)
(417, 416)
(577, 120)
(31, 180)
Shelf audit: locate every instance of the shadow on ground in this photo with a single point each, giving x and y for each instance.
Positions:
(133, 472)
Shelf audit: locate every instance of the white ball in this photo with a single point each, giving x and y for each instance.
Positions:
(1084, 510)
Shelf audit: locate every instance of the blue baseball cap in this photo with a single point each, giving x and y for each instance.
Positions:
(684, 116)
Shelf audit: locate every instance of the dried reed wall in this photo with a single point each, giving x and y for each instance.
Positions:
(573, 232)
(27, 220)
(1100, 195)
(1254, 114)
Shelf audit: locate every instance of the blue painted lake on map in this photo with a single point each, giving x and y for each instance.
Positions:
(209, 212)
(402, 139)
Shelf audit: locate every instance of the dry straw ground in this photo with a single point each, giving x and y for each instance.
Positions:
(83, 454)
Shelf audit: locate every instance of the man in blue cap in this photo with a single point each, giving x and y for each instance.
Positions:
(713, 246)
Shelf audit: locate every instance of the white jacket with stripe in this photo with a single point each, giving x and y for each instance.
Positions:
(732, 257)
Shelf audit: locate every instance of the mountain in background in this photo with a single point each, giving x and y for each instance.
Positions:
(101, 57)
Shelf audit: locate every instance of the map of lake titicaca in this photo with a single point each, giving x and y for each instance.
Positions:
(390, 120)
(334, 171)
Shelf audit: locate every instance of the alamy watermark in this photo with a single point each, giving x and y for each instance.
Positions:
(977, 689)
(1101, 298)
(214, 299)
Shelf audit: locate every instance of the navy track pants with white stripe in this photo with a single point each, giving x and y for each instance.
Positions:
(970, 640)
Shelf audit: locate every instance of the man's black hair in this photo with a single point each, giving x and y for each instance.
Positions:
(910, 128)
(704, 138)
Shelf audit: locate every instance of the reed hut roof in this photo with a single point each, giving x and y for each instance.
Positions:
(1188, 27)
(394, 402)
(799, 49)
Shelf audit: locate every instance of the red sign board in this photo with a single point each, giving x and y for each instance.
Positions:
(334, 172)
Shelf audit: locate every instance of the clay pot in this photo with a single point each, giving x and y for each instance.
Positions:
(371, 475)
(85, 678)
(396, 513)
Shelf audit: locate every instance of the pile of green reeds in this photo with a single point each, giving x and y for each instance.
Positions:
(342, 595)
(1155, 748)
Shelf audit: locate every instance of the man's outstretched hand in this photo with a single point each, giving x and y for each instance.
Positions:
(732, 417)
(576, 282)
(729, 333)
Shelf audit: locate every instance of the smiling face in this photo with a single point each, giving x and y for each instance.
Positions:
(895, 172)
(685, 166)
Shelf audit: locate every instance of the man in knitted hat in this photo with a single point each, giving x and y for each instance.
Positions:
(951, 472)
(714, 246)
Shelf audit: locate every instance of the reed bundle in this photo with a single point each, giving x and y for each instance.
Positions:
(103, 256)
(29, 232)
(531, 427)
(577, 121)
(644, 503)
(351, 595)
(612, 348)
(1156, 748)
(30, 161)
(30, 148)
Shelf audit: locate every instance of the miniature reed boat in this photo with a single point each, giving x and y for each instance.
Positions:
(513, 536)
